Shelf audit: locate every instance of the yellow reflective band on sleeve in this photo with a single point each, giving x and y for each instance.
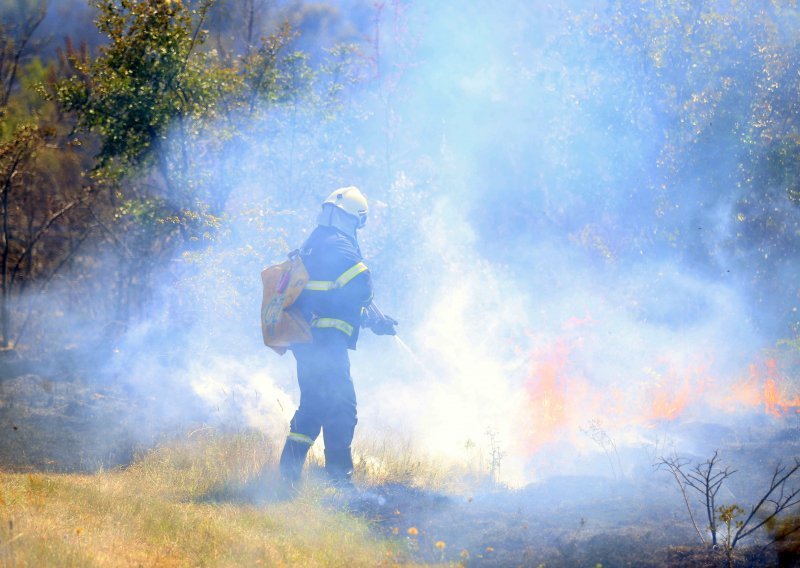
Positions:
(341, 325)
(347, 276)
(302, 438)
(350, 273)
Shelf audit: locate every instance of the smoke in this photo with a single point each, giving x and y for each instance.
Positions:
(533, 244)
(570, 272)
(548, 269)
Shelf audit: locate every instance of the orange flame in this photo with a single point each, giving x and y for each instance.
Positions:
(668, 405)
(561, 396)
(763, 388)
(676, 387)
(547, 399)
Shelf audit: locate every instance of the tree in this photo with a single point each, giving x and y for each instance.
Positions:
(145, 98)
(707, 478)
(15, 156)
(41, 229)
(178, 124)
(15, 40)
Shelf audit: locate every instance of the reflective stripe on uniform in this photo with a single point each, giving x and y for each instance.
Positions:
(302, 438)
(347, 276)
(341, 325)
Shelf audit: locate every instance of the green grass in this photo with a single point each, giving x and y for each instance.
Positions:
(186, 503)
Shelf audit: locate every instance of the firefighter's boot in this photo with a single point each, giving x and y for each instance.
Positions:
(292, 459)
(339, 466)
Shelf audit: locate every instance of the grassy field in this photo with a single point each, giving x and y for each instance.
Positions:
(210, 499)
(200, 501)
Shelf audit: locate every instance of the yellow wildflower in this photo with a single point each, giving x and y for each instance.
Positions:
(413, 531)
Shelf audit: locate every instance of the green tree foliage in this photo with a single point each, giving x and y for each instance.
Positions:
(150, 75)
(180, 125)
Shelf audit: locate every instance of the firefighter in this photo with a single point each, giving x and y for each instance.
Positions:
(336, 302)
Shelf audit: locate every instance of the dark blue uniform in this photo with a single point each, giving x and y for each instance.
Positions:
(327, 396)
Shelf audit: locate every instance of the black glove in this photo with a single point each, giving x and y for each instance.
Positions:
(384, 326)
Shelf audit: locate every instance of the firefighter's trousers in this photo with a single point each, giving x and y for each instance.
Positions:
(327, 403)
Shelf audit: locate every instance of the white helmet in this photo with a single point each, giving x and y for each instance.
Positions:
(351, 201)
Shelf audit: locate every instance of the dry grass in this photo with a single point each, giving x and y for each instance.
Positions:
(186, 503)
(397, 461)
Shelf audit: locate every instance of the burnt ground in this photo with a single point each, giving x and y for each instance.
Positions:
(64, 424)
(54, 419)
(569, 521)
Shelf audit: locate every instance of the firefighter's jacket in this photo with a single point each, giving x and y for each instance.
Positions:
(339, 284)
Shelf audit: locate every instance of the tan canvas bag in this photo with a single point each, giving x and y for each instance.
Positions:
(281, 323)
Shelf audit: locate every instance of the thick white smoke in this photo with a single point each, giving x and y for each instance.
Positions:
(508, 237)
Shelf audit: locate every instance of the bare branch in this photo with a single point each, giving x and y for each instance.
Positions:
(706, 479)
(675, 465)
(55, 216)
(780, 476)
(9, 75)
(122, 246)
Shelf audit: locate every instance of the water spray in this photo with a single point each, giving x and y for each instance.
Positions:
(414, 357)
(374, 314)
